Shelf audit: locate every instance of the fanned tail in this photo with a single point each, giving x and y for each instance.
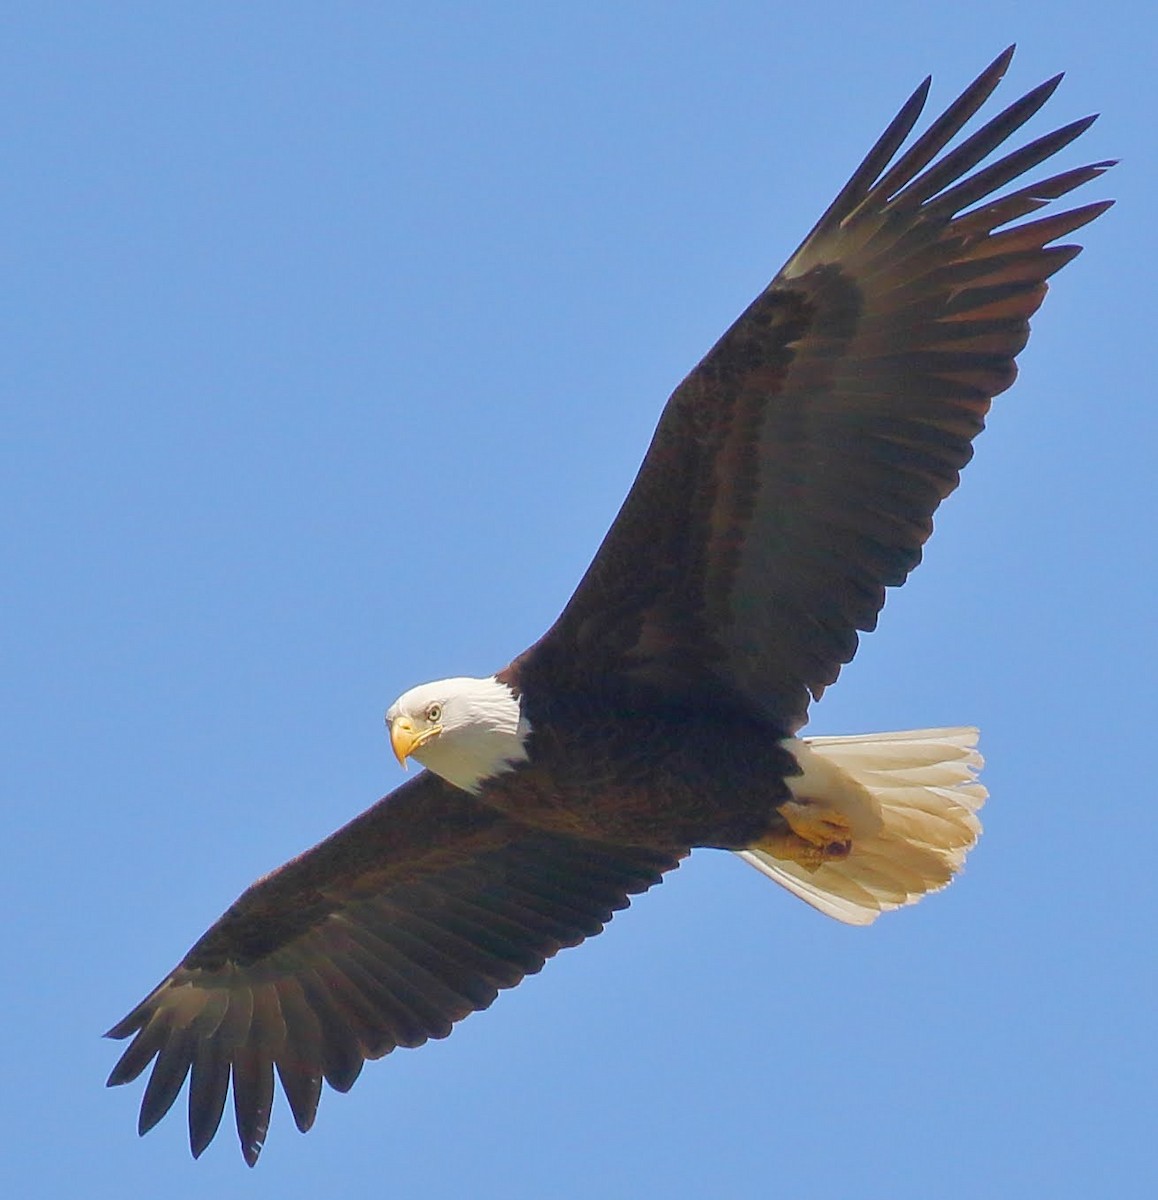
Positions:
(909, 802)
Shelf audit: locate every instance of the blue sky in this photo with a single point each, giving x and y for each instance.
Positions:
(333, 336)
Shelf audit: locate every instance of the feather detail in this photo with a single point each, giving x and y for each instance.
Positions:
(909, 801)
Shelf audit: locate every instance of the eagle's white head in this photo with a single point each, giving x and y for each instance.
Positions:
(465, 730)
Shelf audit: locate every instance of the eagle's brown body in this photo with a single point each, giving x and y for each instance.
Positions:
(793, 477)
(602, 769)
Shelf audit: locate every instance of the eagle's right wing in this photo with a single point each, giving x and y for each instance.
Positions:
(385, 934)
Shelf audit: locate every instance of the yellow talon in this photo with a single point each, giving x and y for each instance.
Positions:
(814, 835)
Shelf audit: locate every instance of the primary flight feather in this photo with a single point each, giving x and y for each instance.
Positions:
(792, 478)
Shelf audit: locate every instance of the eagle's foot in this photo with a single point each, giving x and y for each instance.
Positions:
(814, 836)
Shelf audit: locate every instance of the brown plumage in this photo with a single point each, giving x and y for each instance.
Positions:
(792, 478)
(384, 935)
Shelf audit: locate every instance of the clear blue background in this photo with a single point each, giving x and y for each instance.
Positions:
(332, 338)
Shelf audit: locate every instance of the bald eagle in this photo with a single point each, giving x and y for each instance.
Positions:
(792, 478)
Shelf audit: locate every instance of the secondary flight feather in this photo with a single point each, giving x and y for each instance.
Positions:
(792, 478)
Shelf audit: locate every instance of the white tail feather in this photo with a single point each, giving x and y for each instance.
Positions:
(911, 802)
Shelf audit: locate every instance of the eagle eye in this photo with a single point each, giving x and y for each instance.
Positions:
(434, 712)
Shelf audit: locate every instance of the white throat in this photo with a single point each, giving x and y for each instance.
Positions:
(482, 729)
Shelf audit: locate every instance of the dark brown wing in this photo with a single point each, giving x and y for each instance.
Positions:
(795, 472)
(412, 916)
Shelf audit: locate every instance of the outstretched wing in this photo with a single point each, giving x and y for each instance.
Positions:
(385, 934)
(794, 474)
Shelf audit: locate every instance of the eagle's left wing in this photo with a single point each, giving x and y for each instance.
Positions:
(795, 472)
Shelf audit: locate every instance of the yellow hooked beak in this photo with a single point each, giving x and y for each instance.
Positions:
(405, 738)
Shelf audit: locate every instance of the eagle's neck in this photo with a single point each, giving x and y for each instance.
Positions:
(485, 733)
